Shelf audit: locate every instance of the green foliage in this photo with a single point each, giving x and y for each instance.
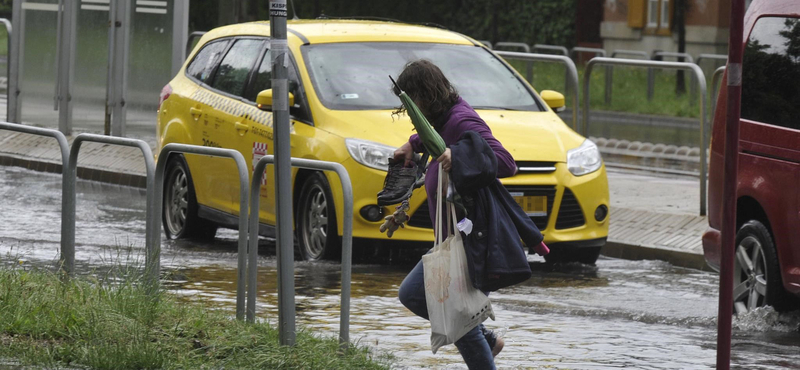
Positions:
(114, 324)
(629, 89)
(528, 21)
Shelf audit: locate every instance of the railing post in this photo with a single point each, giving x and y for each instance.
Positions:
(67, 258)
(347, 240)
(664, 65)
(571, 72)
(714, 90)
(68, 209)
(153, 260)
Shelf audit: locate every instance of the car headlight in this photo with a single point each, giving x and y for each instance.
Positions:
(370, 154)
(584, 159)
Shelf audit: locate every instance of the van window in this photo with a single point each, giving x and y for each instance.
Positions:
(235, 67)
(771, 73)
(204, 62)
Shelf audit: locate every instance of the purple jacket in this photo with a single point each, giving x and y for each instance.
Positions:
(460, 118)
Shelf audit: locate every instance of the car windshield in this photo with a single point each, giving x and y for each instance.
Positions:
(355, 76)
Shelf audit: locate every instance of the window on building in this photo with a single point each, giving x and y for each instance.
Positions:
(652, 14)
(770, 72)
(664, 19)
(659, 16)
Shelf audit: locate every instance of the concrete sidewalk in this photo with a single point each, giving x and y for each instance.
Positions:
(651, 216)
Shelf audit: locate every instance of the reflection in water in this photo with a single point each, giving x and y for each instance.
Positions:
(619, 314)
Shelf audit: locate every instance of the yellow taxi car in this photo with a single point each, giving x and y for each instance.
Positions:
(341, 111)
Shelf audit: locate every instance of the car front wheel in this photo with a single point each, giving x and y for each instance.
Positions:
(316, 220)
(756, 279)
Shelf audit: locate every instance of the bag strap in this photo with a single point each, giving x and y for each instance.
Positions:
(438, 224)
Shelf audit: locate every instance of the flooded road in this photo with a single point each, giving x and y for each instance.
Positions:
(618, 314)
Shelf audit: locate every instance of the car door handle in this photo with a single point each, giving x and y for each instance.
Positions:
(195, 112)
(241, 127)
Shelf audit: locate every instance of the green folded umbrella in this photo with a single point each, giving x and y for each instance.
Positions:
(433, 142)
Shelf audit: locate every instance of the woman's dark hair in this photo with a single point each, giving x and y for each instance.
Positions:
(425, 83)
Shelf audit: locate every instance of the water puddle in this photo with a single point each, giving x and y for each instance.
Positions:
(618, 314)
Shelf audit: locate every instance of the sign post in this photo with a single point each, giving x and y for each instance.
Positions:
(283, 180)
(734, 72)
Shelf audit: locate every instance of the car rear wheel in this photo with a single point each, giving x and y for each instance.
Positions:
(756, 274)
(179, 213)
(315, 219)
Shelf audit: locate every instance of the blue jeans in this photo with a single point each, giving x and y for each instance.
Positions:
(475, 346)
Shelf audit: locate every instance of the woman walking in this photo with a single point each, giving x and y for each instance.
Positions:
(452, 118)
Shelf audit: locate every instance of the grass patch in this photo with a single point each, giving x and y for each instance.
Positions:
(111, 323)
(629, 89)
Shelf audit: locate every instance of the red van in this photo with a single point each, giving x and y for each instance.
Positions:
(767, 257)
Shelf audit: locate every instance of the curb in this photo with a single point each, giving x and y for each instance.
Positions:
(639, 252)
(84, 173)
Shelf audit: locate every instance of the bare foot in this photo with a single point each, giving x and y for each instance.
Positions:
(498, 346)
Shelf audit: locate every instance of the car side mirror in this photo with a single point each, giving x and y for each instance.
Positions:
(554, 100)
(264, 100)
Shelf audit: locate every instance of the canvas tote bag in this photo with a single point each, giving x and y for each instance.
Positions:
(454, 305)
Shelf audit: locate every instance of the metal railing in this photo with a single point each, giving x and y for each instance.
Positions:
(701, 57)
(715, 85)
(596, 51)
(698, 73)
(523, 46)
(562, 50)
(651, 78)
(571, 74)
(64, 146)
(68, 196)
(519, 45)
(12, 82)
(286, 274)
(610, 70)
(190, 41)
(153, 260)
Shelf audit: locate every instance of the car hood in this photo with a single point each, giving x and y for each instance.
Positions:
(528, 136)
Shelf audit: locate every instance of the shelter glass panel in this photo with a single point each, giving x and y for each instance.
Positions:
(91, 67)
(150, 63)
(38, 63)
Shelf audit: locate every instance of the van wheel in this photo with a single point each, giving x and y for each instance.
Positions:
(179, 213)
(315, 220)
(756, 274)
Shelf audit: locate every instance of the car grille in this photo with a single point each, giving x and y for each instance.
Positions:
(536, 167)
(421, 217)
(570, 214)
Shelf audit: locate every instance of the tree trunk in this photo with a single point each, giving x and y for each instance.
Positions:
(680, 24)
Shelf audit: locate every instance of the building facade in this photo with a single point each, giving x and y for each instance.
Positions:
(647, 25)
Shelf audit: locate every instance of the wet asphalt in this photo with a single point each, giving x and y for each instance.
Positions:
(617, 314)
